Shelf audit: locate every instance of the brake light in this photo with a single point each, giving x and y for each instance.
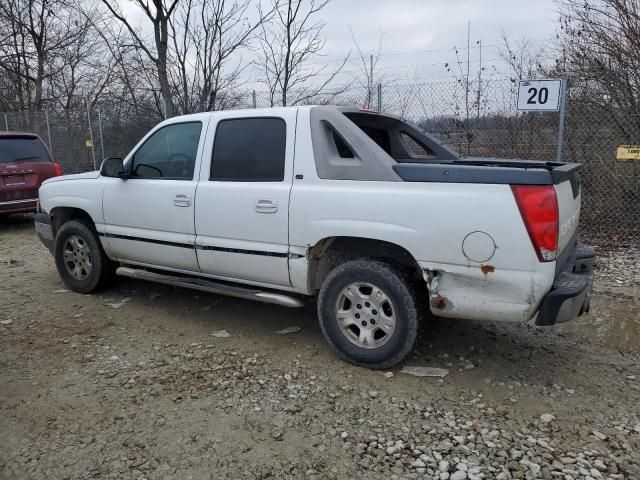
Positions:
(538, 205)
(57, 169)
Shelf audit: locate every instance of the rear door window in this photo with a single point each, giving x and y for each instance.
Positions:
(22, 149)
(249, 150)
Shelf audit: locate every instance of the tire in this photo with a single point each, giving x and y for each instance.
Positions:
(81, 262)
(348, 292)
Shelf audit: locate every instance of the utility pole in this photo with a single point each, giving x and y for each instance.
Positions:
(46, 117)
(466, 96)
(93, 152)
(479, 80)
(370, 81)
(101, 134)
(563, 101)
(466, 89)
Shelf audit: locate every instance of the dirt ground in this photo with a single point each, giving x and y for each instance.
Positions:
(130, 383)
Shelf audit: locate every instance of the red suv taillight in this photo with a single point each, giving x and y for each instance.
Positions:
(57, 169)
(538, 205)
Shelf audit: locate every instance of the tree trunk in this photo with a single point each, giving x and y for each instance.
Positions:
(37, 99)
(161, 34)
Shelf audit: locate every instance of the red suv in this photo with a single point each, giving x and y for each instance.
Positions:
(25, 162)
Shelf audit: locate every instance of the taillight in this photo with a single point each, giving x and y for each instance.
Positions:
(57, 169)
(538, 207)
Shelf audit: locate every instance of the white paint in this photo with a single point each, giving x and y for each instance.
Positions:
(539, 95)
(146, 208)
(226, 216)
(478, 247)
(430, 220)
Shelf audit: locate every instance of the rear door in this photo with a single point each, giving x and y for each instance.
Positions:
(242, 201)
(149, 217)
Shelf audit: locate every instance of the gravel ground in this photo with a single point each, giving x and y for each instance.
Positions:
(620, 265)
(131, 383)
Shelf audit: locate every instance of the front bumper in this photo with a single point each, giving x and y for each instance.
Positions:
(570, 295)
(44, 230)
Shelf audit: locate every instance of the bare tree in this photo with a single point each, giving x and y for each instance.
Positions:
(406, 95)
(600, 42)
(87, 70)
(368, 75)
(117, 76)
(208, 38)
(287, 45)
(158, 13)
(35, 39)
(524, 57)
(468, 81)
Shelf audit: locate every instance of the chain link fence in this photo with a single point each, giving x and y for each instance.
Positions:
(476, 118)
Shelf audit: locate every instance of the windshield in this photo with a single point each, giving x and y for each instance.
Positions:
(21, 149)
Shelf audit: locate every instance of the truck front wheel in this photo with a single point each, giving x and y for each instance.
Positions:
(368, 313)
(80, 260)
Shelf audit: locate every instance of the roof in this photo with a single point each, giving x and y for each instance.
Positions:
(18, 135)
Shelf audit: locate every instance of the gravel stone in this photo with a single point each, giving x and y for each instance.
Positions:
(145, 392)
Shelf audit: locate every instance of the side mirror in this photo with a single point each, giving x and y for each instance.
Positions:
(112, 167)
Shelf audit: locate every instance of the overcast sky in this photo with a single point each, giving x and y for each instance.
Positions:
(413, 29)
(410, 26)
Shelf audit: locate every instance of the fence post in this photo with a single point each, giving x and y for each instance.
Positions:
(563, 98)
(101, 135)
(6, 122)
(253, 95)
(46, 117)
(93, 151)
(379, 97)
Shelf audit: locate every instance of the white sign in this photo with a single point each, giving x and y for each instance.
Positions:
(539, 95)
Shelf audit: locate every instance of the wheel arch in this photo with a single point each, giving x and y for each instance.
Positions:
(61, 215)
(329, 252)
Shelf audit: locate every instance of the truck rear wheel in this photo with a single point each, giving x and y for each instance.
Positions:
(80, 260)
(368, 313)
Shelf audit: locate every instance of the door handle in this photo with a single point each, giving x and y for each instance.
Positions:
(182, 200)
(266, 205)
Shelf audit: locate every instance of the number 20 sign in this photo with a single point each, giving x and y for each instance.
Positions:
(539, 95)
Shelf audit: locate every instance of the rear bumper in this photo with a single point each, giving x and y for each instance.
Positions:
(43, 230)
(19, 206)
(570, 294)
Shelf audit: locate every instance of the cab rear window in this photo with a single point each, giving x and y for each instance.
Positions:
(22, 149)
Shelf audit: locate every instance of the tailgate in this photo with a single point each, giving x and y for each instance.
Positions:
(20, 181)
(567, 185)
(24, 164)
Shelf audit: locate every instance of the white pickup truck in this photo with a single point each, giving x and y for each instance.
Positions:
(374, 217)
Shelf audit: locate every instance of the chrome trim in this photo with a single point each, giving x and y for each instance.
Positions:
(196, 246)
(205, 285)
(14, 202)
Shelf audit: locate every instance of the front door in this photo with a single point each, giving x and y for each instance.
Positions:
(242, 210)
(149, 216)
